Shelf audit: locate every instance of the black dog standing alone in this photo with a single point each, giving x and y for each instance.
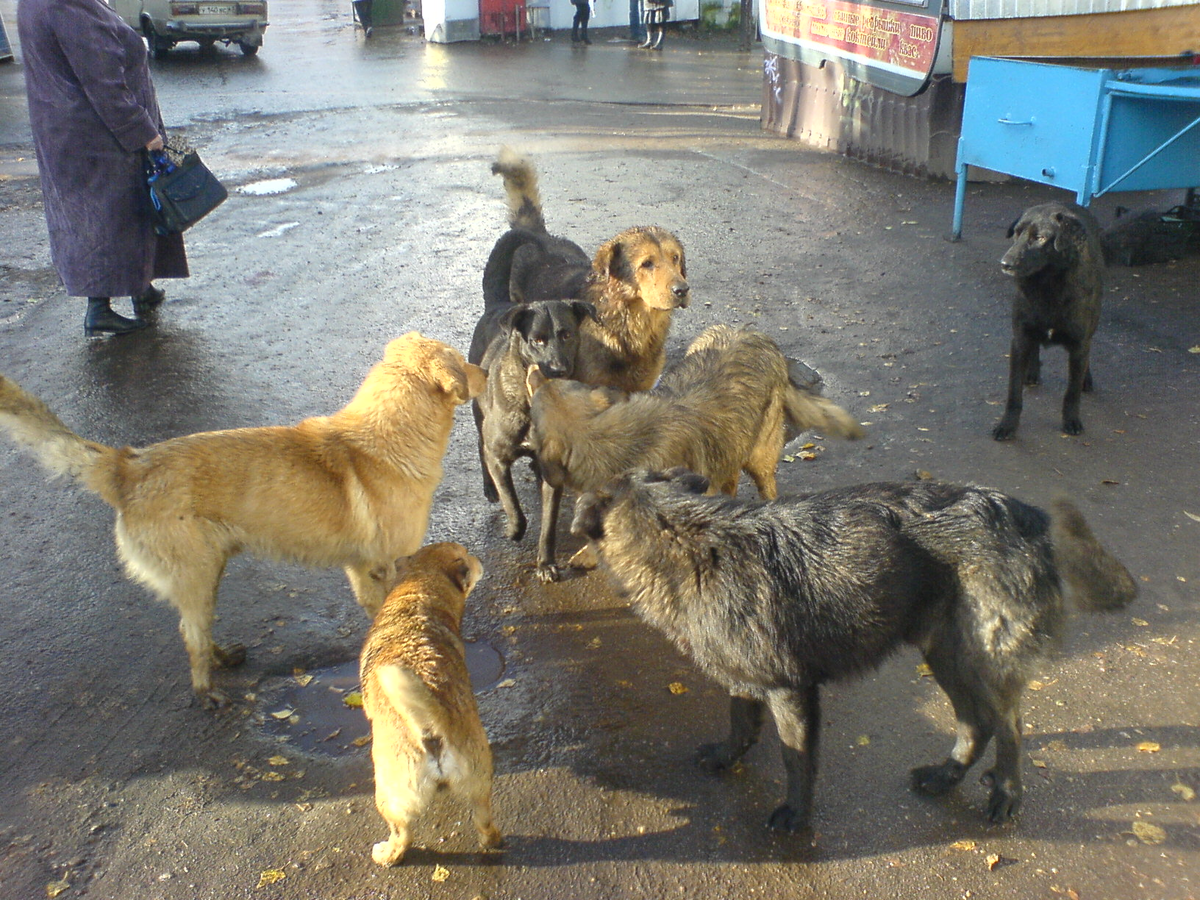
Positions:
(774, 599)
(1058, 263)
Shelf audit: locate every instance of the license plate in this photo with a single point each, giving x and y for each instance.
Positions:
(216, 9)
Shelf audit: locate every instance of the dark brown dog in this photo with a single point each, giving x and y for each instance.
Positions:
(509, 338)
(729, 406)
(425, 728)
(635, 281)
(1059, 268)
(774, 599)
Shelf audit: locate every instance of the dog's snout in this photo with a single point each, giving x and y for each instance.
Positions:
(551, 370)
(681, 292)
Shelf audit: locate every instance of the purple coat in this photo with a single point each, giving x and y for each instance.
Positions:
(92, 109)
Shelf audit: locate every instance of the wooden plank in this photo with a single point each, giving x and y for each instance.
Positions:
(1134, 33)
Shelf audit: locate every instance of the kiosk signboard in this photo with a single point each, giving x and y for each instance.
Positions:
(889, 44)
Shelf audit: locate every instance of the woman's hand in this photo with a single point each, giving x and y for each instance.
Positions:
(156, 143)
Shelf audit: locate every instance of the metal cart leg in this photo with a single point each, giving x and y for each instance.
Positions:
(960, 200)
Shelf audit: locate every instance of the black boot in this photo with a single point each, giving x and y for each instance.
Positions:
(149, 299)
(100, 319)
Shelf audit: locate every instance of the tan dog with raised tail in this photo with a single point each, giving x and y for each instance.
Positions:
(352, 489)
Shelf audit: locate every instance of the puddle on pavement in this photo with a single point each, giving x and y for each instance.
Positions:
(309, 710)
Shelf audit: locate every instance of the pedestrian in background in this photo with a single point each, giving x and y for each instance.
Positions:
(364, 10)
(94, 113)
(656, 20)
(583, 12)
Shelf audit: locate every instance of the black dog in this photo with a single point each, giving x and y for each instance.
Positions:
(508, 339)
(773, 599)
(1059, 267)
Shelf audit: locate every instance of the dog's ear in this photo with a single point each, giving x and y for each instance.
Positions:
(534, 379)
(608, 257)
(517, 319)
(1012, 229)
(589, 516)
(459, 379)
(459, 574)
(1069, 230)
(683, 478)
(584, 310)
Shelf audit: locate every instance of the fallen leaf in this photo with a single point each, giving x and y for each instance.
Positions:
(302, 678)
(1192, 516)
(271, 876)
(271, 776)
(924, 671)
(621, 682)
(863, 741)
(1140, 623)
(1038, 763)
(1183, 791)
(506, 683)
(361, 741)
(993, 860)
(440, 873)
(279, 761)
(878, 407)
(353, 700)
(1148, 747)
(54, 888)
(1148, 834)
(1036, 685)
(809, 446)
(807, 455)
(676, 688)
(1194, 349)
(964, 846)
(282, 714)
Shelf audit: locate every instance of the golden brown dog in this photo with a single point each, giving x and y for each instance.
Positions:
(635, 281)
(416, 690)
(352, 489)
(728, 407)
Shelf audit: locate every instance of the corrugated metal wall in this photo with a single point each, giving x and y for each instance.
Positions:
(1021, 9)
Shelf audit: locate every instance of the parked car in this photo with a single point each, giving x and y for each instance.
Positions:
(166, 23)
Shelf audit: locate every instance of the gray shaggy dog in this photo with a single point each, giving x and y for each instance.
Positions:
(1058, 265)
(774, 599)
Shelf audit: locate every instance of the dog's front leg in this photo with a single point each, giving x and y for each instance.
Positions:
(547, 571)
(501, 474)
(1018, 365)
(797, 714)
(1077, 380)
(745, 723)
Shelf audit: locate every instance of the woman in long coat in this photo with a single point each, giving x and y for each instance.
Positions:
(93, 111)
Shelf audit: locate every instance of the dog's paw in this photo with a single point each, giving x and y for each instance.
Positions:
(548, 573)
(934, 781)
(230, 656)
(1005, 798)
(388, 853)
(714, 758)
(514, 531)
(1072, 425)
(491, 838)
(585, 558)
(1005, 430)
(788, 819)
(212, 699)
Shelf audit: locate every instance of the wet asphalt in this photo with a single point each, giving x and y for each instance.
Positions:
(362, 207)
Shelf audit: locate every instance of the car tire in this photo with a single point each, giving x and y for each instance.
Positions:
(248, 49)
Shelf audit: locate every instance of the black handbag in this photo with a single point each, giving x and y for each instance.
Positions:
(182, 190)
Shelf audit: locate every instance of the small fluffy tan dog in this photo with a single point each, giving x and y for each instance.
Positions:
(416, 691)
(352, 489)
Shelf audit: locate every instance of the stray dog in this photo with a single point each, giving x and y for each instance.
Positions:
(353, 489)
(635, 281)
(425, 728)
(729, 406)
(1059, 267)
(510, 338)
(773, 599)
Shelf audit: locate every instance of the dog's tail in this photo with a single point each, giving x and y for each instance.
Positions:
(414, 705)
(806, 410)
(520, 183)
(1095, 580)
(31, 424)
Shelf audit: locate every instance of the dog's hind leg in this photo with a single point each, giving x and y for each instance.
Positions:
(1005, 778)
(196, 598)
(745, 723)
(547, 571)
(500, 472)
(797, 714)
(479, 794)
